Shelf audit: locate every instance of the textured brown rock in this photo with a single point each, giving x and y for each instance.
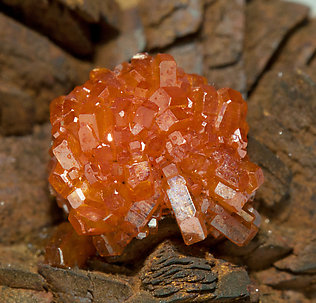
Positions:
(172, 276)
(143, 297)
(233, 284)
(111, 288)
(16, 295)
(284, 280)
(33, 71)
(16, 109)
(223, 32)
(94, 11)
(300, 48)
(67, 22)
(70, 298)
(25, 205)
(188, 56)
(129, 42)
(270, 295)
(18, 268)
(265, 32)
(273, 246)
(276, 174)
(79, 284)
(303, 261)
(167, 20)
(59, 280)
(222, 41)
(311, 69)
(280, 260)
(232, 75)
(282, 114)
(179, 277)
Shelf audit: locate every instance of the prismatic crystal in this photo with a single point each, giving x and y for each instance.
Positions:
(147, 140)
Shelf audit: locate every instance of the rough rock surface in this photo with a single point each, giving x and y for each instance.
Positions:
(276, 174)
(73, 30)
(284, 280)
(167, 20)
(18, 268)
(169, 274)
(280, 99)
(174, 277)
(300, 48)
(17, 295)
(25, 205)
(33, 72)
(264, 34)
(278, 36)
(130, 41)
(282, 113)
(94, 11)
(303, 261)
(82, 285)
(189, 56)
(179, 277)
(222, 41)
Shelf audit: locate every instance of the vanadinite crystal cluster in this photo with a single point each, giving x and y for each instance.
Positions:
(148, 140)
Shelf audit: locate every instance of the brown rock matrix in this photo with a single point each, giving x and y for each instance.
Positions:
(264, 49)
(147, 140)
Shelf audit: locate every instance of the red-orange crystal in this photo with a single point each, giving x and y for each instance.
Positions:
(147, 140)
(68, 249)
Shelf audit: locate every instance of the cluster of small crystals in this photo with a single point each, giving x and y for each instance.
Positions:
(147, 140)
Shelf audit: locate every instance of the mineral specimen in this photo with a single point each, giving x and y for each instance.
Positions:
(147, 140)
(68, 249)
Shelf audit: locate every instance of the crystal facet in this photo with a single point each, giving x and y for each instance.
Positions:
(148, 139)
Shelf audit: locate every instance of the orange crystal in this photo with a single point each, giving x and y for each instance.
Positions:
(146, 140)
(68, 249)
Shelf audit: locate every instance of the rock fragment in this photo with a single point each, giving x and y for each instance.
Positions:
(300, 48)
(171, 276)
(303, 261)
(266, 31)
(33, 72)
(25, 205)
(273, 246)
(276, 174)
(188, 56)
(18, 268)
(78, 284)
(284, 280)
(222, 41)
(67, 22)
(282, 114)
(17, 295)
(130, 41)
(167, 20)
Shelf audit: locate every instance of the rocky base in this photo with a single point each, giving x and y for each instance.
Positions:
(268, 56)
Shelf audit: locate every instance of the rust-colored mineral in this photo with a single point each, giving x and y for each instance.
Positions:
(147, 140)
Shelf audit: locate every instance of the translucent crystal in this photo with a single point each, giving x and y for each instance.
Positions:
(148, 140)
(193, 229)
